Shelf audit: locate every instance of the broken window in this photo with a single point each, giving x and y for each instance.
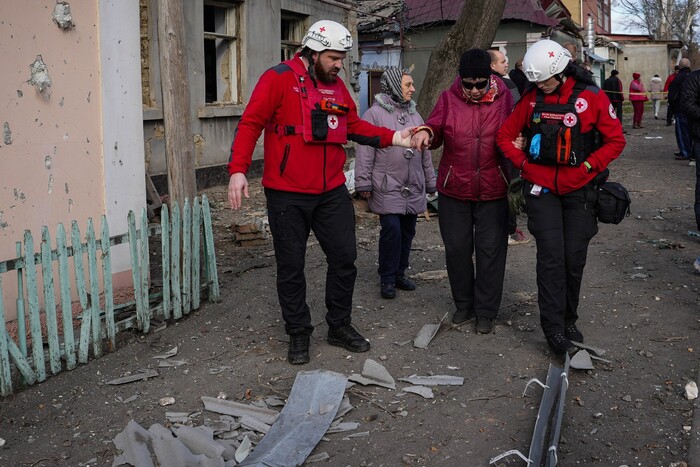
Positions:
(292, 33)
(222, 20)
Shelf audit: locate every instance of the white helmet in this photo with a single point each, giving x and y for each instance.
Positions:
(545, 59)
(327, 35)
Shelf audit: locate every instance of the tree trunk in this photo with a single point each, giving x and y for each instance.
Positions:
(179, 144)
(475, 27)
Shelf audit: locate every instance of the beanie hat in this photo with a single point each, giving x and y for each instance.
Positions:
(636, 75)
(475, 63)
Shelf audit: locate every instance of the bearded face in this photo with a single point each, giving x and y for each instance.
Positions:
(327, 65)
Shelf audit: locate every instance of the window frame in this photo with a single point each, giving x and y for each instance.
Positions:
(228, 86)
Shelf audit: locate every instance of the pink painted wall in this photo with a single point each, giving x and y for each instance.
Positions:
(51, 161)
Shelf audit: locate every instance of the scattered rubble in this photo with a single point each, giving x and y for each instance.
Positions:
(139, 375)
(374, 373)
(251, 234)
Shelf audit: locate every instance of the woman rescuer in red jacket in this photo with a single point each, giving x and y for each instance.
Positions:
(572, 135)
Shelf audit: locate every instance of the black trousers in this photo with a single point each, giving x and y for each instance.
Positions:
(395, 240)
(696, 154)
(618, 110)
(477, 227)
(332, 218)
(563, 226)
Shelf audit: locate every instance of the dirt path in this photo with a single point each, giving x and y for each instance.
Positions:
(640, 302)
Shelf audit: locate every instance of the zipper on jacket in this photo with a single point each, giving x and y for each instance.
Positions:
(324, 167)
(284, 159)
(444, 184)
(556, 180)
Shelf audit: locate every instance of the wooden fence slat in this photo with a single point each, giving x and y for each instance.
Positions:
(33, 299)
(81, 287)
(94, 290)
(21, 361)
(135, 269)
(186, 257)
(66, 305)
(144, 270)
(5, 375)
(212, 275)
(107, 281)
(175, 228)
(165, 253)
(196, 246)
(50, 302)
(21, 316)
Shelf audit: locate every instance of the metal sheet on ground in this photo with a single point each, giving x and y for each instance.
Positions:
(303, 421)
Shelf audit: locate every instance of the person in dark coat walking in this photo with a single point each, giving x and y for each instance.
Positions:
(394, 180)
(667, 84)
(613, 89)
(690, 105)
(518, 77)
(674, 99)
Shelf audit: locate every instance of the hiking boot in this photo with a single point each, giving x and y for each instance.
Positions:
(388, 290)
(346, 336)
(560, 344)
(573, 334)
(404, 283)
(517, 238)
(484, 325)
(462, 316)
(298, 353)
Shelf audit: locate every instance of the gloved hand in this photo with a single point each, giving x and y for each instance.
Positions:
(516, 199)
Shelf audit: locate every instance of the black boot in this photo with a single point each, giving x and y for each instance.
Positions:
(388, 290)
(298, 353)
(404, 283)
(346, 336)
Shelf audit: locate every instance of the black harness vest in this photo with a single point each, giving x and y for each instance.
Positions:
(555, 132)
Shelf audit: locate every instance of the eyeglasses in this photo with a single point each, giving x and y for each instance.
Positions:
(478, 85)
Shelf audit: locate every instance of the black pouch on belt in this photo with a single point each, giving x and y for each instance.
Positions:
(319, 125)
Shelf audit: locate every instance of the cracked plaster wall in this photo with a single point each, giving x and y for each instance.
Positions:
(52, 165)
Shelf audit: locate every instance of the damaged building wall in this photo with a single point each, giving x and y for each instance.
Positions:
(53, 148)
(258, 48)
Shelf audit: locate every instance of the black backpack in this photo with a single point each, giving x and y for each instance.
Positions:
(613, 203)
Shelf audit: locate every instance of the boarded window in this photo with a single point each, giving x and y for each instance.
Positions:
(222, 45)
(292, 33)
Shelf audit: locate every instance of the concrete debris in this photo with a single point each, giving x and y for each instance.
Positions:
(425, 335)
(200, 440)
(132, 443)
(691, 391)
(170, 353)
(243, 450)
(273, 401)
(138, 376)
(374, 373)
(171, 363)
(127, 400)
(344, 408)
(438, 275)
(343, 426)
(595, 350)
(321, 456)
(163, 401)
(435, 380)
(422, 391)
(40, 78)
(2, 442)
(237, 409)
(361, 434)
(178, 417)
(301, 424)
(251, 423)
(62, 16)
(581, 361)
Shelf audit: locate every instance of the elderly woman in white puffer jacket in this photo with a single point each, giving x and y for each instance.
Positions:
(394, 180)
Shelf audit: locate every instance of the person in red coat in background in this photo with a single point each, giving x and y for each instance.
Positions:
(573, 134)
(669, 80)
(638, 96)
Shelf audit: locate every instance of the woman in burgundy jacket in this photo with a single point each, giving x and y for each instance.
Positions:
(472, 187)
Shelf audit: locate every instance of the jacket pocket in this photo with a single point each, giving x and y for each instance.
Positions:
(285, 156)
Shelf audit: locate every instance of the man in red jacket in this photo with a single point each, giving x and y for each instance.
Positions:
(573, 135)
(308, 114)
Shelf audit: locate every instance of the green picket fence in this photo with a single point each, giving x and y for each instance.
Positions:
(188, 269)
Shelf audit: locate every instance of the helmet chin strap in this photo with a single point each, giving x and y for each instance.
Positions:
(310, 58)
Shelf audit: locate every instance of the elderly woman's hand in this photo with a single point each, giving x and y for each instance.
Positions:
(520, 142)
(420, 140)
